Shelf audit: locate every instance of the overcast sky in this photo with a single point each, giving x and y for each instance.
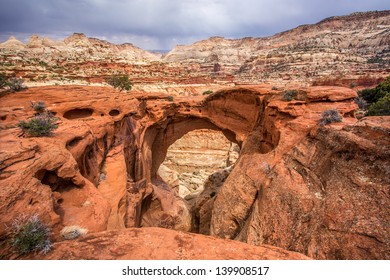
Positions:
(162, 24)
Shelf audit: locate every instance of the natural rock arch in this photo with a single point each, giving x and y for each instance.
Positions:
(173, 130)
(236, 113)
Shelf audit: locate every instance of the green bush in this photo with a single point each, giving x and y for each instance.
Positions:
(330, 116)
(30, 235)
(40, 125)
(381, 107)
(207, 92)
(170, 98)
(289, 95)
(374, 94)
(377, 99)
(120, 81)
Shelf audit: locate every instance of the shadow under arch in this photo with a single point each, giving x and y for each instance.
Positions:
(161, 135)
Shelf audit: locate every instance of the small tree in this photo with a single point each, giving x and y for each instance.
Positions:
(330, 116)
(120, 81)
(381, 107)
(40, 125)
(30, 235)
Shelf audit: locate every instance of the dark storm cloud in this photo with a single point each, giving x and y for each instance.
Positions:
(165, 23)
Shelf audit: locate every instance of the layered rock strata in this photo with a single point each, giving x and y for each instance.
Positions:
(350, 50)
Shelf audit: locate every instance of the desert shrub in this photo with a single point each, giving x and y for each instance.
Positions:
(30, 235)
(72, 232)
(40, 125)
(381, 107)
(39, 106)
(120, 81)
(374, 94)
(207, 92)
(289, 95)
(3, 80)
(361, 103)
(170, 98)
(377, 99)
(330, 116)
(16, 84)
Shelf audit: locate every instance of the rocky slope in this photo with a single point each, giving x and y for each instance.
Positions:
(162, 244)
(349, 50)
(78, 47)
(292, 187)
(349, 47)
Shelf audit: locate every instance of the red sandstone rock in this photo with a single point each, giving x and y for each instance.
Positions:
(296, 185)
(161, 244)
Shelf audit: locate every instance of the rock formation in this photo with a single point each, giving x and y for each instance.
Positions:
(193, 158)
(347, 51)
(162, 244)
(335, 50)
(113, 167)
(296, 185)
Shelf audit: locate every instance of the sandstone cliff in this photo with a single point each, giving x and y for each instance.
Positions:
(346, 51)
(337, 48)
(320, 191)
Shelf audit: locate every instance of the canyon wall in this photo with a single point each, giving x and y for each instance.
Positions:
(319, 190)
(349, 51)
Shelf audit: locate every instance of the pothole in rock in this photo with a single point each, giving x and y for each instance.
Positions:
(78, 113)
(193, 158)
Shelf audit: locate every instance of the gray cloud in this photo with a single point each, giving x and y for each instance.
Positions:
(162, 24)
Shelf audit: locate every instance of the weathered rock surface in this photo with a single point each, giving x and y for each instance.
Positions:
(162, 244)
(335, 51)
(346, 51)
(321, 191)
(326, 196)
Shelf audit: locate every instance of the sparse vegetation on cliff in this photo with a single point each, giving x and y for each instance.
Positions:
(381, 107)
(330, 116)
(16, 84)
(207, 92)
(39, 106)
(40, 125)
(289, 95)
(120, 81)
(30, 235)
(376, 99)
(3, 80)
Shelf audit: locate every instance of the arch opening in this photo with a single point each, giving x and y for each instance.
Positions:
(169, 203)
(194, 157)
